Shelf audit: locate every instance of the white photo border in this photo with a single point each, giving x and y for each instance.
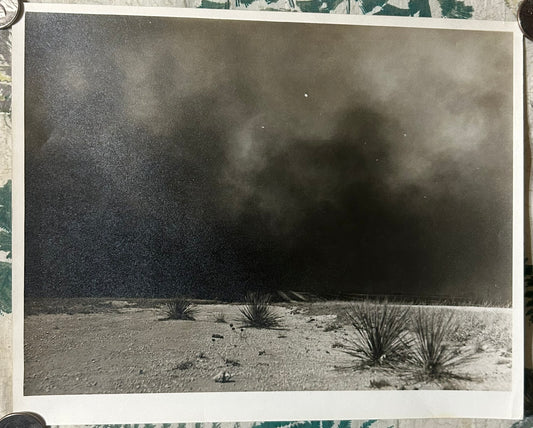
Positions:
(268, 406)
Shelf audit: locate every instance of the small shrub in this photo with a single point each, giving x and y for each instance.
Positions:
(232, 362)
(432, 356)
(479, 347)
(381, 334)
(332, 326)
(184, 365)
(506, 353)
(258, 312)
(220, 317)
(470, 326)
(379, 383)
(180, 309)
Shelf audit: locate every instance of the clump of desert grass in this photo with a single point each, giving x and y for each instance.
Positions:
(180, 308)
(379, 383)
(432, 357)
(184, 365)
(490, 329)
(258, 312)
(220, 317)
(332, 326)
(428, 345)
(382, 337)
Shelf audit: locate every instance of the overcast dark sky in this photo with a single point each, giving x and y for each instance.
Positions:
(206, 157)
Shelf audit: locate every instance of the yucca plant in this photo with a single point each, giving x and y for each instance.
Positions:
(180, 308)
(432, 357)
(258, 311)
(381, 333)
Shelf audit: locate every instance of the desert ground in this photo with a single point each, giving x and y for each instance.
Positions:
(85, 346)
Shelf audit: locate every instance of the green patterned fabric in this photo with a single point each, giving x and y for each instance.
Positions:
(372, 423)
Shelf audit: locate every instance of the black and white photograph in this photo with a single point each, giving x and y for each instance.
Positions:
(233, 205)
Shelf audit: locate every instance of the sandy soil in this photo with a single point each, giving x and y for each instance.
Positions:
(130, 350)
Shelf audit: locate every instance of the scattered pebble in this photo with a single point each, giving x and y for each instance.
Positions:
(223, 377)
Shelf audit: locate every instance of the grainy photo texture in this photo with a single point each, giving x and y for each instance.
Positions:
(224, 205)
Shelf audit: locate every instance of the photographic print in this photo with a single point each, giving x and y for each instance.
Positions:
(222, 204)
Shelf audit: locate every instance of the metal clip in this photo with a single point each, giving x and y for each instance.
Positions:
(22, 420)
(525, 18)
(9, 12)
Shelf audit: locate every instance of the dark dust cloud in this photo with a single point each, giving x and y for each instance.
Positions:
(181, 156)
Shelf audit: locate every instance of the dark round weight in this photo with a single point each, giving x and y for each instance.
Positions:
(9, 12)
(22, 420)
(525, 18)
